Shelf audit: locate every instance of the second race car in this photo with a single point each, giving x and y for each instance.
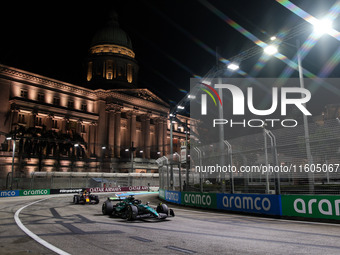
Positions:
(85, 197)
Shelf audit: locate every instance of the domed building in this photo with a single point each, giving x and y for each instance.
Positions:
(113, 120)
(111, 61)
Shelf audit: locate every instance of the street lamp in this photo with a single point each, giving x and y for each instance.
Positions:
(13, 155)
(305, 121)
(233, 66)
(322, 26)
(270, 50)
(171, 153)
(132, 149)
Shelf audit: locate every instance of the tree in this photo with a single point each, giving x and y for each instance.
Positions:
(41, 143)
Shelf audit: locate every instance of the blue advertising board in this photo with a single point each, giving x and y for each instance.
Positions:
(251, 203)
(173, 196)
(9, 193)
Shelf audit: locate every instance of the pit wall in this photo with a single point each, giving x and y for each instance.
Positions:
(325, 207)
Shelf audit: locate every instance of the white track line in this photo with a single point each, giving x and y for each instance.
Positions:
(34, 236)
(61, 252)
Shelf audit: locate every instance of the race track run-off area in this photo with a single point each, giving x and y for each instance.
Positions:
(65, 228)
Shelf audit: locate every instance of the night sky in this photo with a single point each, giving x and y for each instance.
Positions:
(171, 39)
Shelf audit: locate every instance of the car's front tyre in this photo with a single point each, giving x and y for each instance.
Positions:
(132, 212)
(96, 199)
(107, 208)
(162, 208)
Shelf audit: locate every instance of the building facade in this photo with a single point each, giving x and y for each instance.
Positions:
(110, 119)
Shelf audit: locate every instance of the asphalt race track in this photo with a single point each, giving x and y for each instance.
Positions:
(82, 229)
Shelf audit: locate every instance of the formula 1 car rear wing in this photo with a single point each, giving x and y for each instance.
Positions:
(116, 198)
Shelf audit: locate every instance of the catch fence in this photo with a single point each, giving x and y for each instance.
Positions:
(62, 180)
(281, 161)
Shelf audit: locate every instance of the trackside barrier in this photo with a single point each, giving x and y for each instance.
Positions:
(117, 189)
(66, 191)
(250, 203)
(36, 192)
(9, 193)
(173, 196)
(162, 194)
(170, 196)
(311, 206)
(206, 200)
(303, 206)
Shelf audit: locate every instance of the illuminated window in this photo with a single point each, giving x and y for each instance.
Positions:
(24, 93)
(109, 69)
(70, 104)
(129, 73)
(55, 124)
(38, 121)
(89, 71)
(56, 101)
(41, 97)
(21, 119)
(84, 107)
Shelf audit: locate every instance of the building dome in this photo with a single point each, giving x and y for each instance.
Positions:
(111, 62)
(111, 33)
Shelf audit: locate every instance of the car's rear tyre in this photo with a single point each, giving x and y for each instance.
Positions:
(132, 212)
(107, 208)
(76, 199)
(162, 208)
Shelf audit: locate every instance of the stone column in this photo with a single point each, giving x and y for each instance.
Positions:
(160, 136)
(49, 121)
(15, 118)
(32, 119)
(128, 128)
(78, 127)
(166, 147)
(131, 121)
(64, 125)
(101, 137)
(133, 127)
(92, 138)
(117, 137)
(111, 132)
(147, 140)
(89, 137)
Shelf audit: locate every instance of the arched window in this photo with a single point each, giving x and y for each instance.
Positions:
(129, 73)
(109, 69)
(89, 71)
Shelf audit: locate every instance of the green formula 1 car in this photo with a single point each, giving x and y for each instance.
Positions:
(130, 208)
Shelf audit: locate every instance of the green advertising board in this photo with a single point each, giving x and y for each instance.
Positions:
(206, 200)
(162, 193)
(34, 192)
(311, 206)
